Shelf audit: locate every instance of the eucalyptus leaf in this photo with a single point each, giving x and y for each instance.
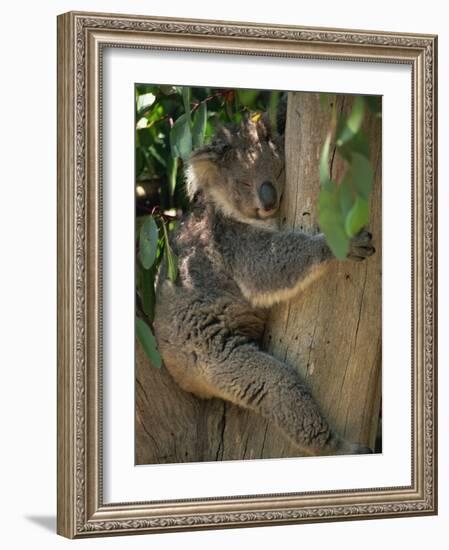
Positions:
(172, 260)
(146, 139)
(148, 242)
(357, 218)
(145, 101)
(173, 172)
(147, 291)
(199, 125)
(374, 103)
(331, 221)
(167, 90)
(155, 154)
(362, 175)
(248, 97)
(148, 343)
(172, 264)
(156, 113)
(355, 118)
(139, 222)
(357, 144)
(324, 162)
(145, 89)
(140, 161)
(345, 196)
(353, 122)
(186, 95)
(181, 138)
(141, 123)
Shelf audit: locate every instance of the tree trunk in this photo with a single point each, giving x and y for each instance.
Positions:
(331, 333)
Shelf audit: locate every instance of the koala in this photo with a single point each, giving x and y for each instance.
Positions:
(234, 264)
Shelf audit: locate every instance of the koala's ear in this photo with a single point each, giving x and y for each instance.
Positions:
(271, 129)
(264, 128)
(253, 131)
(268, 133)
(202, 168)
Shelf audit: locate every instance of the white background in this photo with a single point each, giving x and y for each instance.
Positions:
(28, 274)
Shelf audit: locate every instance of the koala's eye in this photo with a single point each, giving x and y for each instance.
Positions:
(246, 183)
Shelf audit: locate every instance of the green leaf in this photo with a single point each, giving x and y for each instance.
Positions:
(353, 122)
(362, 175)
(374, 103)
(172, 260)
(148, 242)
(173, 172)
(147, 291)
(144, 101)
(324, 162)
(156, 113)
(345, 196)
(357, 217)
(148, 343)
(155, 154)
(331, 221)
(181, 138)
(140, 161)
(145, 138)
(186, 99)
(172, 264)
(199, 125)
(139, 222)
(357, 144)
(141, 123)
(248, 97)
(167, 90)
(343, 209)
(145, 89)
(355, 119)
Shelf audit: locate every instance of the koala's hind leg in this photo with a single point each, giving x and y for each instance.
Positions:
(258, 381)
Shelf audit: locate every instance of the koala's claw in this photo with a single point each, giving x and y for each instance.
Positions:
(361, 246)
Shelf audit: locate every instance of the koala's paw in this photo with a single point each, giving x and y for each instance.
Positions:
(361, 246)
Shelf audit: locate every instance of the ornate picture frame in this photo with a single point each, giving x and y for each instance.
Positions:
(82, 38)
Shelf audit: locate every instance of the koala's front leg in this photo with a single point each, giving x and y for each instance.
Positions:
(274, 266)
(271, 266)
(255, 380)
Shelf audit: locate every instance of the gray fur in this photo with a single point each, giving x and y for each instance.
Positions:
(233, 264)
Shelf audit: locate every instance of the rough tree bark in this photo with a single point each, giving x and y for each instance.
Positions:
(331, 333)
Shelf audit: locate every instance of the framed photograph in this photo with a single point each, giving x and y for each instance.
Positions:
(246, 274)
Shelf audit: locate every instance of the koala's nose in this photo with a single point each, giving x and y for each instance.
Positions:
(268, 195)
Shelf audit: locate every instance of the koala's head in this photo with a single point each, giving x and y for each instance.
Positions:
(241, 171)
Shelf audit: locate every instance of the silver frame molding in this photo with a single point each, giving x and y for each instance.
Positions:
(81, 38)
